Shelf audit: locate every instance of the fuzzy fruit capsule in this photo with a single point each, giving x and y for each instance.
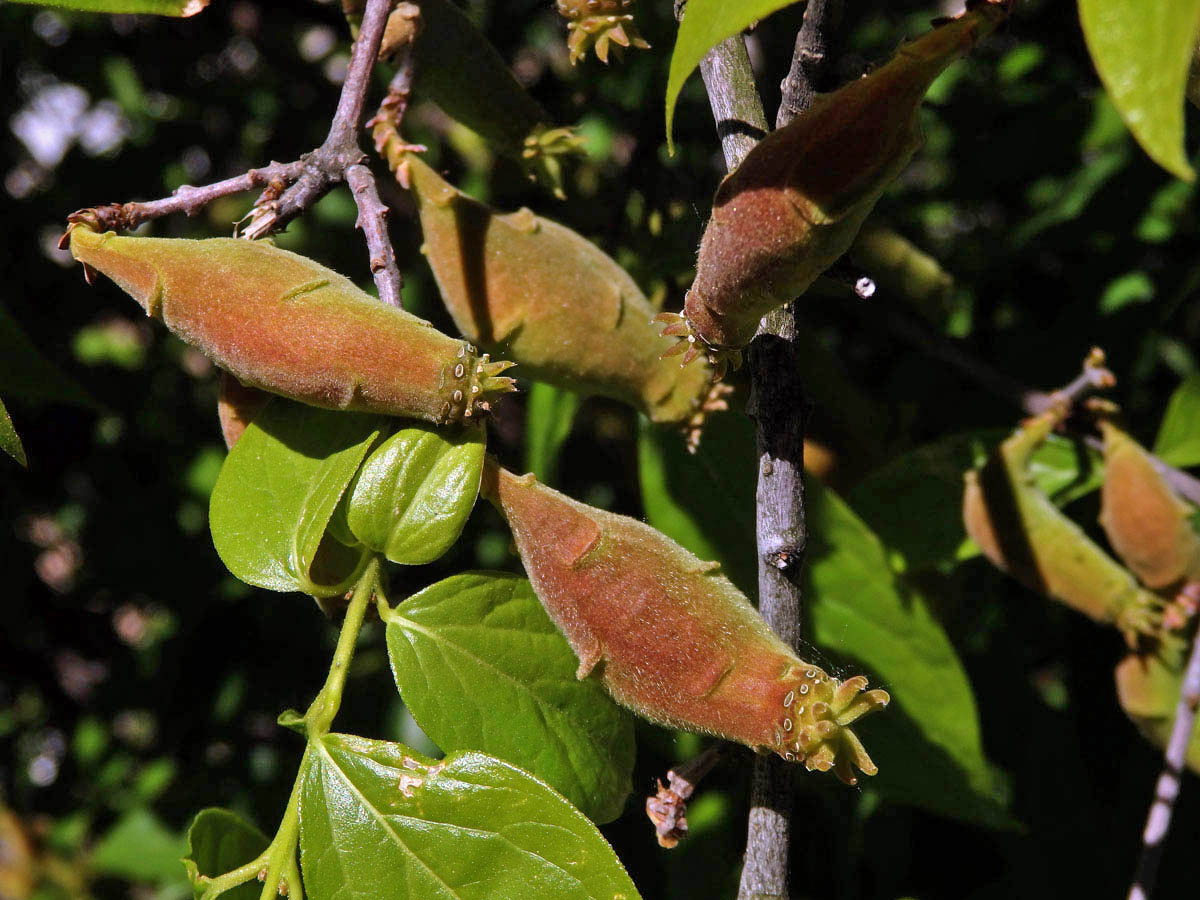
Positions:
(540, 294)
(1148, 688)
(673, 639)
(1024, 534)
(797, 201)
(288, 325)
(1146, 522)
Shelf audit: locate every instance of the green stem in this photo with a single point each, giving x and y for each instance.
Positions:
(281, 854)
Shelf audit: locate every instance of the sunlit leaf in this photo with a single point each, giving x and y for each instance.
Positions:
(705, 24)
(220, 841)
(277, 491)
(481, 667)
(10, 443)
(1142, 53)
(413, 494)
(175, 8)
(1178, 440)
(377, 820)
(549, 415)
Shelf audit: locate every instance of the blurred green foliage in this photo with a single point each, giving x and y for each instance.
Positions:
(140, 681)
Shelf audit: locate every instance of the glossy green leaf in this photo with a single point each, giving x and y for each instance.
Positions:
(930, 741)
(1178, 440)
(412, 496)
(1142, 53)
(929, 752)
(26, 375)
(705, 24)
(925, 485)
(276, 492)
(177, 8)
(549, 416)
(9, 442)
(481, 667)
(379, 821)
(220, 841)
(139, 847)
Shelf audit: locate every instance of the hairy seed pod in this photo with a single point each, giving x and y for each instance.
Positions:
(1148, 688)
(459, 70)
(798, 199)
(673, 639)
(1025, 535)
(288, 325)
(599, 24)
(1146, 522)
(536, 292)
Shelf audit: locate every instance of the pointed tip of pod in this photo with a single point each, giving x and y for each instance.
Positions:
(814, 726)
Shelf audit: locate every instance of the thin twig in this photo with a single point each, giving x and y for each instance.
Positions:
(1166, 790)
(372, 219)
(809, 60)
(667, 809)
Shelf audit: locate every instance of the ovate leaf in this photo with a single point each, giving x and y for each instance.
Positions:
(1178, 440)
(481, 667)
(548, 419)
(1142, 53)
(139, 847)
(153, 7)
(705, 24)
(220, 841)
(415, 491)
(276, 492)
(379, 821)
(9, 442)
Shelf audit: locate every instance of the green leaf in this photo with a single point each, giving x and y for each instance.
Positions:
(929, 752)
(9, 442)
(277, 491)
(548, 419)
(705, 24)
(1142, 54)
(481, 667)
(377, 820)
(412, 496)
(1178, 440)
(27, 375)
(930, 741)
(925, 485)
(220, 841)
(177, 8)
(139, 847)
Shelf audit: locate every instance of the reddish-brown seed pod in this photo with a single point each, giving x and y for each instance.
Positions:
(798, 199)
(288, 325)
(543, 296)
(602, 24)
(672, 638)
(1025, 535)
(1146, 522)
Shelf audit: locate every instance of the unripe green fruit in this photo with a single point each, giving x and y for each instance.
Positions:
(288, 325)
(673, 639)
(537, 293)
(797, 201)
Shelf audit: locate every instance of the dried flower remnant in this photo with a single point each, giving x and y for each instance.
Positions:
(541, 295)
(673, 639)
(1148, 525)
(797, 201)
(286, 324)
(1024, 534)
(599, 24)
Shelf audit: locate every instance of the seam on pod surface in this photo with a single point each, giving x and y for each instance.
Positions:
(797, 201)
(671, 637)
(283, 323)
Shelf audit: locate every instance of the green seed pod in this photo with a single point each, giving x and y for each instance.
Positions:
(1148, 688)
(288, 325)
(459, 70)
(798, 199)
(538, 293)
(673, 639)
(1148, 525)
(599, 24)
(1026, 535)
